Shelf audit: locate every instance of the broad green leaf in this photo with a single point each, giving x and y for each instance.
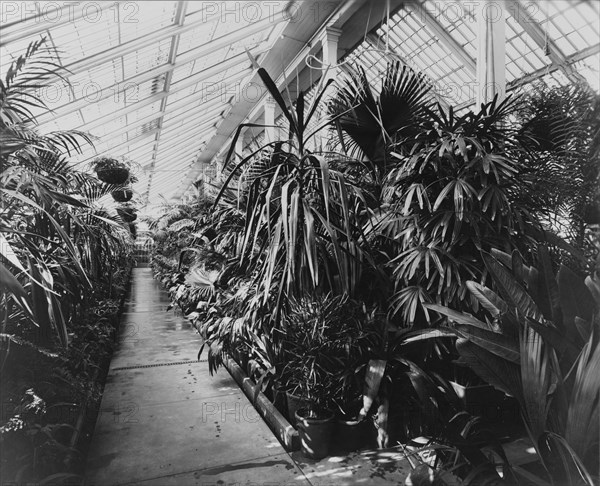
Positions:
(488, 299)
(512, 292)
(500, 373)
(458, 317)
(373, 377)
(496, 343)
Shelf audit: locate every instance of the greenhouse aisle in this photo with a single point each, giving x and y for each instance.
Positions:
(164, 420)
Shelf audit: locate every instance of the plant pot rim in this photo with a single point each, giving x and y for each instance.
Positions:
(323, 416)
(350, 420)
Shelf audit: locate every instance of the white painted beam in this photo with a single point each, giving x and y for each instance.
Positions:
(491, 50)
(532, 28)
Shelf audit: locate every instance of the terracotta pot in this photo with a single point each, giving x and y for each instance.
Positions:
(315, 432)
(294, 403)
(349, 434)
(117, 175)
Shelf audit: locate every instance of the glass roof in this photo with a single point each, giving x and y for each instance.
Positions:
(154, 80)
(145, 77)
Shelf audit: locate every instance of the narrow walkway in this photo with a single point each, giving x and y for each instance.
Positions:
(165, 421)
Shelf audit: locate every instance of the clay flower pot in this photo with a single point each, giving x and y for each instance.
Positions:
(315, 431)
(350, 433)
(294, 403)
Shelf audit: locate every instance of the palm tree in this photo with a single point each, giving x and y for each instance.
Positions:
(54, 241)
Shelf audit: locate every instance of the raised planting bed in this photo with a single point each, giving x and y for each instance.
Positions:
(283, 430)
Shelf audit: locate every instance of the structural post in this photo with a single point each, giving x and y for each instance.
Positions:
(329, 43)
(270, 131)
(491, 51)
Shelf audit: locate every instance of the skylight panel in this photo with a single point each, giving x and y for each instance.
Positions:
(71, 121)
(144, 111)
(141, 18)
(147, 58)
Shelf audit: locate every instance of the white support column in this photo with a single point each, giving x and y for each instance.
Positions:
(270, 131)
(491, 52)
(329, 43)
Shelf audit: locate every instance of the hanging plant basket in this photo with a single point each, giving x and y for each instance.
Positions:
(110, 170)
(127, 214)
(122, 195)
(116, 175)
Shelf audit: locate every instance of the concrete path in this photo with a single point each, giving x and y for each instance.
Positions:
(165, 421)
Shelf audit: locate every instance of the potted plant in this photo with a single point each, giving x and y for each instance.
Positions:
(350, 427)
(538, 344)
(122, 194)
(111, 170)
(316, 332)
(127, 213)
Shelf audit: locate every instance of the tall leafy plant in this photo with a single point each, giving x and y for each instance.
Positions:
(538, 340)
(369, 120)
(453, 193)
(560, 126)
(47, 226)
(299, 233)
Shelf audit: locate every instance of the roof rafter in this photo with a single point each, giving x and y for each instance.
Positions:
(120, 87)
(168, 32)
(220, 138)
(533, 30)
(150, 100)
(116, 148)
(442, 34)
(179, 20)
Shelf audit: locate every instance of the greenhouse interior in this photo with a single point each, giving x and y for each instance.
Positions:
(310, 243)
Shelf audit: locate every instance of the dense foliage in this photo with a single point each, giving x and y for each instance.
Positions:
(394, 225)
(64, 263)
